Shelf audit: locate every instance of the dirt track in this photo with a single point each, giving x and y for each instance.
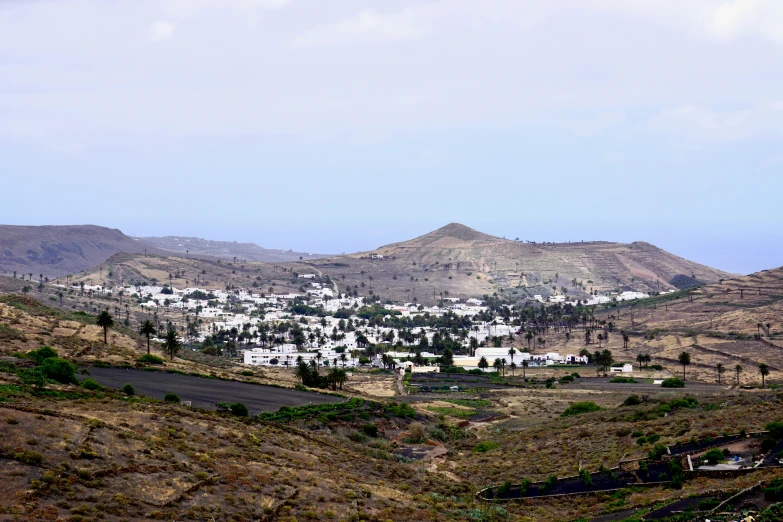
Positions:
(204, 393)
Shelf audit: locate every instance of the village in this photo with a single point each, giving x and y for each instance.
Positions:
(324, 328)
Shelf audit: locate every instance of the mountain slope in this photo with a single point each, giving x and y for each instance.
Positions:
(225, 249)
(465, 262)
(60, 250)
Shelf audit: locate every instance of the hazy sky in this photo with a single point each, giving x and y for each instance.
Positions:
(342, 125)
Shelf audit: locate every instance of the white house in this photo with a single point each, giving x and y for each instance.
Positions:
(625, 368)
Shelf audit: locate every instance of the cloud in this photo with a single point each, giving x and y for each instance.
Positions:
(704, 123)
(160, 31)
(366, 26)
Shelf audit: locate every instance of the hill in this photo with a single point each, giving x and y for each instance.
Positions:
(59, 250)
(458, 261)
(226, 250)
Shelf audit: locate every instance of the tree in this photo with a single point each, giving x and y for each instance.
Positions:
(764, 371)
(738, 369)
(525, 364)
(483, 364)
(497, 365)
(147, 329)
(172, 343)
(447, 359)
(721, 370)
(640, 360)
(105, 321)
(685, 360)
(513, 367)
(625, 341)
(511, 353)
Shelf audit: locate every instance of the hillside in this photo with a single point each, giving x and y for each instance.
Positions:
(458, 261)
(225, 250)
(59, 250)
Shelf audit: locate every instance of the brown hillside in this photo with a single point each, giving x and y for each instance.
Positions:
(59, 250)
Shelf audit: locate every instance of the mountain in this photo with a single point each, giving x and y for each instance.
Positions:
(225, 249)
(459, 261)
(60, 250)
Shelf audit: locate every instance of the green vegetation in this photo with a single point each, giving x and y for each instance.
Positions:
(288, 413)
(91, 384)
(171, 397)
(452, 412)
(579, 408)
(623, 380)
(470, 403)
(150, 359)
(713, 457)
(129, 390)
(485, 446)
(673, 382)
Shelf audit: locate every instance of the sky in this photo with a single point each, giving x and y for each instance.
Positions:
(344, 125)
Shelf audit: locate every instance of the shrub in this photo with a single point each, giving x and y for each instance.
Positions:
(416, 432)
(28, 457)
(632, 400)
(128, 389)
(713, 456)
(643, 470)
(247, 373)
(524, 486)
(641, 441)
(768, 444)
(624, 380)
(41, 354)
(371, 430)
(622, 432)
(708, 504)
(636, 433)
(91, 384)
(672, 382)
(485, 446)
(148, 358)
(658, 451)
(503, 489)
(657, 367)
(579, 408)
(59, 370)
(586, 477)
(576, 375)
(238, 409)
(775, 430)
(548, 483)
(171, 397)
(774, 490)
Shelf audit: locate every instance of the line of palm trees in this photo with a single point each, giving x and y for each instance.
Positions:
(685, 360)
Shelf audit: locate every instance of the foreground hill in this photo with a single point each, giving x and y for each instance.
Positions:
(59, 250)
(458, 261)
(226, 250)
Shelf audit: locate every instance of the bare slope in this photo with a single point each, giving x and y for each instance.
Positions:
(226, 250)
(456, 250)
(58, 250)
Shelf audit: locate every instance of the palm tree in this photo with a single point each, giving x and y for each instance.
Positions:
(525, 364)
(172, 343)
(721, 369)
(738, 369)
(764, 371)
(147, 329)
(685, 360)
(497, 364)
(511, 353)
(343, 358)
(513, 367)
(625, 341)
(483, 364)
(105, 321)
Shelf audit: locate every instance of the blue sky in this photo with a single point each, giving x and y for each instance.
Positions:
(344, 125)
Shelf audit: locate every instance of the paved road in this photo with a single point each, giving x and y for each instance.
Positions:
(204, 393)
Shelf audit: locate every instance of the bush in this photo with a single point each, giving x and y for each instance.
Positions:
(59, 370)
(775, 430)
(28, 457)
(713, 456)
(672, 382)
(657, 367)
(632, 400)
(579, 408)
(128, 389)
(708, 504)
(371, 430)
(503, 489)
(524, 486)
(548, 484)
(91, 384)
(774, 490)
(658, 451)
(238, 409)
(148, 358)
(623, 380)
(643, 470)
(485, 446)
(247, 373)
(171, 397)
(586, 477)
(41, 354)
(416, 432)
(768, 444)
